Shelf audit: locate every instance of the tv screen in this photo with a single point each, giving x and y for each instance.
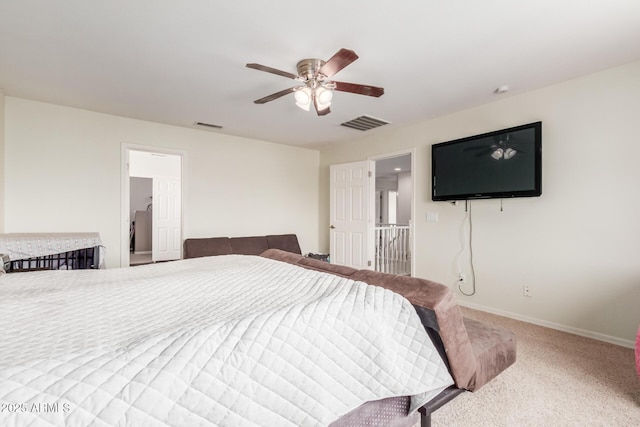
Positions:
(499, 164)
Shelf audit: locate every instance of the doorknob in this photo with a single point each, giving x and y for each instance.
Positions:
(332, 227)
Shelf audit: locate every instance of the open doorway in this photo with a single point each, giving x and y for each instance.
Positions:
(394, 201)
(152, 206)
(141, 228)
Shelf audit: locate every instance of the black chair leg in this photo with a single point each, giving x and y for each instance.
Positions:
(445, 396)
(425, 419)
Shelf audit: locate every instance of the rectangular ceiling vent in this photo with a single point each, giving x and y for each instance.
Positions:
(208, 125)
(364, 123)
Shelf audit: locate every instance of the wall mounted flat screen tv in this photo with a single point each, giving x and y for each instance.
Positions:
(500, 164)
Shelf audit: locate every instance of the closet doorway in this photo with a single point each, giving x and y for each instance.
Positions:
(152, 198)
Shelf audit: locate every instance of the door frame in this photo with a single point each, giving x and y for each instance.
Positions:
(412, 226)
(125, 193)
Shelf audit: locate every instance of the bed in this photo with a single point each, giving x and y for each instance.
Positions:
(231, 340)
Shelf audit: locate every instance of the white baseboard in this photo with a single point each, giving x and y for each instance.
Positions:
(141, 252)
(552, 325)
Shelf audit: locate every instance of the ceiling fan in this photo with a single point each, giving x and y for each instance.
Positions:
(317, 88)
(500, 149)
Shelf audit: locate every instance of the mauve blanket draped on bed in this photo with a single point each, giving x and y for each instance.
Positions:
(229, 341)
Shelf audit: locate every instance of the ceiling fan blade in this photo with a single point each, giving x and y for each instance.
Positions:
(484, 153)
(323, 112)
(271, 70)
(337, 62)
(275, 95)
(479, 147)
(359, 89)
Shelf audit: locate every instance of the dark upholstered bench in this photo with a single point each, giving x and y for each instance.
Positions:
(195, 248)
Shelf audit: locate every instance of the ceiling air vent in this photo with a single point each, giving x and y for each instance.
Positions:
(364, 123)
(208, 125)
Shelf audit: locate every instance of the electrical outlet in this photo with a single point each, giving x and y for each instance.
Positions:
(527, 291)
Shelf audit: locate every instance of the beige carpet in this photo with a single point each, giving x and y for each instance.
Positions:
(559, 379)
(139, 259)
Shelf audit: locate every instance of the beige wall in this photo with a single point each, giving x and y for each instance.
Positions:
(63, 174)
(577, 245)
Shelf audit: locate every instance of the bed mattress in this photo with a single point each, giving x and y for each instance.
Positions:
(227, 341)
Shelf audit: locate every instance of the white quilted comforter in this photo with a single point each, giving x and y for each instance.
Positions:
(220, 341)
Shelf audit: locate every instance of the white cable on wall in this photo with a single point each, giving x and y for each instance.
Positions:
(468, 216)
(463, 237)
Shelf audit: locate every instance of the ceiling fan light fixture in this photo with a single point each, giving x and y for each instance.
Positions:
(509, 153)
(497, 154)
(324, 95)
(303, 98)
(323, 98)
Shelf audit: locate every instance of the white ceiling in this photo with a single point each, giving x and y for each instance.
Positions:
(179, 62)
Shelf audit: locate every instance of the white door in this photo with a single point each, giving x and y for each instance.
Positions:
(352, 192)
(166, 238)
